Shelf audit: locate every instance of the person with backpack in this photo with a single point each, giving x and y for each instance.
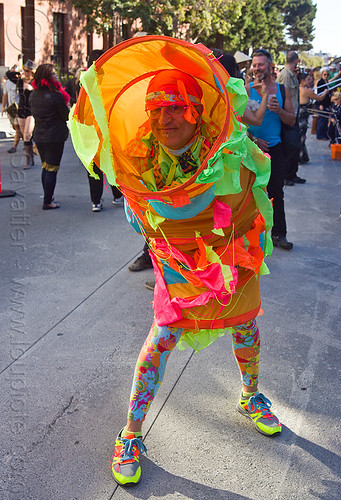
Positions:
(267, 136)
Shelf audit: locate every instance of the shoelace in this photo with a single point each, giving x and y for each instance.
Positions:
(129, 445)
(261, 403)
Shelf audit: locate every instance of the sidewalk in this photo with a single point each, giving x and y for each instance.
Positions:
(74, 319)
(6, 131)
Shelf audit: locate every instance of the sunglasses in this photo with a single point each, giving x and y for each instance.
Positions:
(174, 111)
(262, 52)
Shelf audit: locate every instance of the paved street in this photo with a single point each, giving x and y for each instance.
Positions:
(73, 319)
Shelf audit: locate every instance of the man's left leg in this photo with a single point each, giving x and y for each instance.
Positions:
(275, 192)
(252, 404)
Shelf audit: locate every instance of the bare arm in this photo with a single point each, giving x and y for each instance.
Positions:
(336, 77)
(311, 94)
(256, 117)
(264, 145)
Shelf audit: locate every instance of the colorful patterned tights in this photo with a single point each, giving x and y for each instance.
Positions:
(151, 363)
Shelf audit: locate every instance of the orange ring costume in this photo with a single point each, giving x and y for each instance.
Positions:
(209, 230)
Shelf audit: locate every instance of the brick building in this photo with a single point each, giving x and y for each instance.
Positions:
(46, 31)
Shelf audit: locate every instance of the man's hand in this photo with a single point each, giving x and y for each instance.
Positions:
(263, 145)
(273, 105)
(261, 88)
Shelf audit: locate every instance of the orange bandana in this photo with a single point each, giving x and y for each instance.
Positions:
(174, 87)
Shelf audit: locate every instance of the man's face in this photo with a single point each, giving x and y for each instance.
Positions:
(27, 72)
(174, 133)
(261, 67)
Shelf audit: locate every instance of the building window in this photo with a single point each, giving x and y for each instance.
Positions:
(28, 31)
(89, 44)
(58, 40)
(2, 36)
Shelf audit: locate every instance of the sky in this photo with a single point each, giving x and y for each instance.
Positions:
(327, 27)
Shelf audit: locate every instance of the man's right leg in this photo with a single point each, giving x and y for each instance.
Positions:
(142, 262)
(275, 192)
(96, 189)
(148, 376)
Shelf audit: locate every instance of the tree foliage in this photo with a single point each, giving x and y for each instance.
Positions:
(260, 25)
(299, 18)
(311, 61)
(230, 24)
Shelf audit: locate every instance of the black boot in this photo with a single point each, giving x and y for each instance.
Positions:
(29, 154)
(281, 242)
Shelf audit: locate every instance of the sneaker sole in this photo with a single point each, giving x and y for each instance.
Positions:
(128, 485)
(246, 414)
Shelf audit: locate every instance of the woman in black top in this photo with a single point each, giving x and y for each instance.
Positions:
(49, 107)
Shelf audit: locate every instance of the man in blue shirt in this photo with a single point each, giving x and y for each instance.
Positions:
(268, 138)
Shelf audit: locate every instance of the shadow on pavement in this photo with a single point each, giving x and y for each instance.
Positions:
(326, 457)
(332, 493)
(158, 483)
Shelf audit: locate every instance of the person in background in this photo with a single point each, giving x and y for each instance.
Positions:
(254, 112)
(274, 73)
(291, 137)
(307, 95)
(11, 95)
(72, 87)
(49, 105)
(310, 80)
(334, 132)
(25, 118)
(243, 61)
(333, 70)
(335, 77)
(96, 185)
(268, 138)
(228, 61)
(322, 121)
(316, 75)
(248, 76)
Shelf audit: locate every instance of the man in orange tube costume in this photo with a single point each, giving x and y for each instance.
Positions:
(206, 269)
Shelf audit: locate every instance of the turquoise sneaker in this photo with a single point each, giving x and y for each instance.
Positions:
(125, 462)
